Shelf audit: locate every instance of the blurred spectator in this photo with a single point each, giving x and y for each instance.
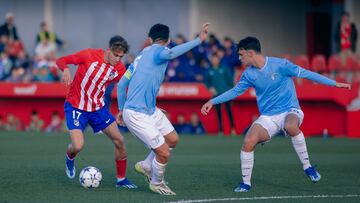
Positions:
(43, 74)
(129, 58)
(17, 75)
(199, 70)
(230, 58)
(218, 80)
(36, 123)
(45, 50)
(12, 123)
(55, 123)
(2, 124)
(5, 66)
(8, 28)
(45, 34)
(195, 126)
(345, 37)
(181, 126)
(3, 43)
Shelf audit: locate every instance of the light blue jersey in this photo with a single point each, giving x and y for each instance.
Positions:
(145, 75)
(275, 89)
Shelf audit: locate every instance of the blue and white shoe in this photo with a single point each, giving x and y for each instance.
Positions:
(313, 174)
(242, 188)
(125, 184)
(70, 168)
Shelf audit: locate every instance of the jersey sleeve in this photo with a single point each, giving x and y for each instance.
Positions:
(168, 54)
(76, 59)
(293, 70)
(122, 85)
(121, 71)
(234, 92)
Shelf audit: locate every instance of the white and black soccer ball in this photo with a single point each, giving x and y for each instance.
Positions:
(90, 177)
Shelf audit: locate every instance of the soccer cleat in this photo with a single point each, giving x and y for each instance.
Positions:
(143, 171)
(242, 188)
(125, 184)
(313, 174)
(161, 188)
(70, 168)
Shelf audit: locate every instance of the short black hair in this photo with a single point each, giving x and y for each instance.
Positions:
(159, 32)
(249, 43)
(118, 43)
(345, 13)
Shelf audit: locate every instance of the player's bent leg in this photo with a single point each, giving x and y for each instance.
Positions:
(157, 183)
(291, 126)
(172, 139)
(256, 134)
(77, 144)
(115, 136)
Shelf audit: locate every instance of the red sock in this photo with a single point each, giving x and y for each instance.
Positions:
(71, 155)
(121, 168)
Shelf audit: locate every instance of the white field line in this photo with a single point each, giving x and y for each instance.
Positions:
(267, 198)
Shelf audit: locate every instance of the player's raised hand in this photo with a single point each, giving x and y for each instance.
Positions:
(119, 119)
(66, 78)
(343, 85)
(204, 31)
(206, 108)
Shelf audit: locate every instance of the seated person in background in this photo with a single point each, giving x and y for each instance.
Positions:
(181, 126)
(36, 123)
(45, 34)
(195, 126)
(55, 123)
(13, 123)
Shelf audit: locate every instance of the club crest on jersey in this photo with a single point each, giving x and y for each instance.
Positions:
(76, 122)
(112, 75)
(274, 76)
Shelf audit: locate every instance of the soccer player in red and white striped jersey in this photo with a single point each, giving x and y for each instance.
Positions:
(85, 104)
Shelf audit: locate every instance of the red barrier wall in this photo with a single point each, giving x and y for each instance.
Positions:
(324, 107)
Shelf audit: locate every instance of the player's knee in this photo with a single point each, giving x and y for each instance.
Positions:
(119, 142)
(77, 147)
(249, 143)
(292, 129)
(172, 143)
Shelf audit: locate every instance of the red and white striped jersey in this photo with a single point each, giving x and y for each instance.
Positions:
(92, 76)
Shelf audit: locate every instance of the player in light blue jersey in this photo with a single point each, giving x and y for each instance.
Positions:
(277, 102)
(138, 109)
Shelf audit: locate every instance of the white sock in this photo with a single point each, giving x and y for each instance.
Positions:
(148, 160)
(301, 150)
(157, 171)
(247, 164)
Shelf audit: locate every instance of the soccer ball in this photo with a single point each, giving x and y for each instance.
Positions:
(90, 177)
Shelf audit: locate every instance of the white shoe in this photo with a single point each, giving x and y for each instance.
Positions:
(161, 188)
(143, 171)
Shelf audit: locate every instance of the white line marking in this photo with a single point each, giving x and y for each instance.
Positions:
(266, 198)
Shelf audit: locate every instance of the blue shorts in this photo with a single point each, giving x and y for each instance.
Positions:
(78, 119)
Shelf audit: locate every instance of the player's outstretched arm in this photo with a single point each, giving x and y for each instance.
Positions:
(168, 54)
(121, 96)
(343, 85)
(206, 107)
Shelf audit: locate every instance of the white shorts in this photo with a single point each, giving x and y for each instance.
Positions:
(150, 129)
(273, 124)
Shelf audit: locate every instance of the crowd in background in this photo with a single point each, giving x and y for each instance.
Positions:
(215, 63)
(16, 64)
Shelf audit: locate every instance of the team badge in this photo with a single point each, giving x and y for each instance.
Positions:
(274, 76)
(112, 75)
(76, 122)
